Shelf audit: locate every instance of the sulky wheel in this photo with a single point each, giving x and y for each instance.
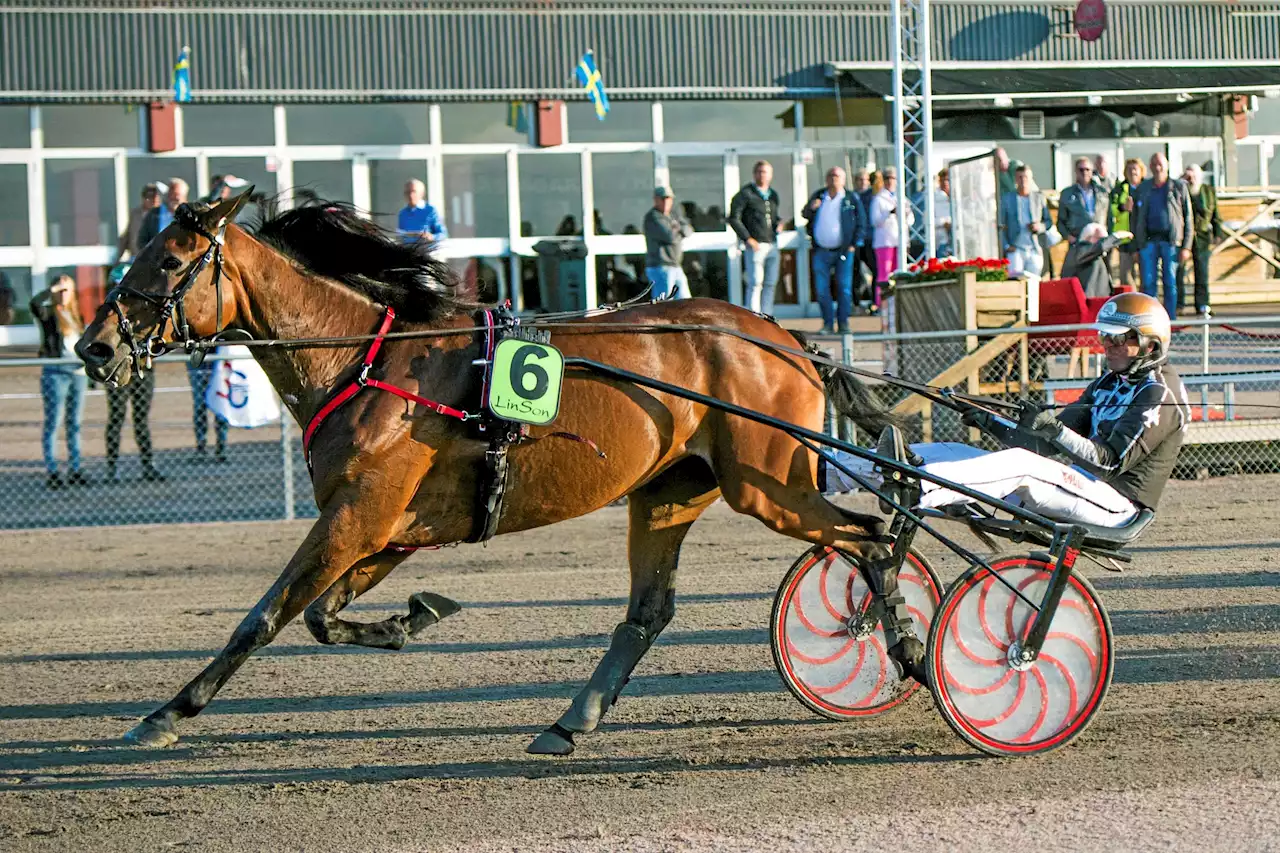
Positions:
(1003, 709)
(831, 656)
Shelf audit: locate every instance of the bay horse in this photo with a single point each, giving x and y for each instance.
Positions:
(391, 475)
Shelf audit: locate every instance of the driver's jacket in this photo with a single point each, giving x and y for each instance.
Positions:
(1129, 430)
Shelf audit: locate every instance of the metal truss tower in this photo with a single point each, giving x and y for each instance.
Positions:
(913, 127)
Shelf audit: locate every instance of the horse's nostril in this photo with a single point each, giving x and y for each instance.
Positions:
(98, 352)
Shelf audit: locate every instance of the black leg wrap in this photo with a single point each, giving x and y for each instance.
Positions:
(899, 632)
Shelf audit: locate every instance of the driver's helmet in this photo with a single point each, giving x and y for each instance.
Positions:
(1144, 316)
(117, 273)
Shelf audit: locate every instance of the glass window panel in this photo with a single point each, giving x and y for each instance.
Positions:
(788, 287)
(1247, 169)
(853, 122)
(357, 124)
(327, 179)
(487, 122)
(228, 124)
(628, 121)
(1143, 151)
(698, 184)
(19, 281)
(15, 228)
(89, 126)
(1267, 119)
(253, 170)
(80, 202)
(386, 185)
(475, 189)
(487, 276)
(728, 121)
(551, 194)
(781, 181)
(1039, 156)
(15, 127)
(1273, 169)
(140, 171)
(708, 273)
(623, 186)
(1202, 157)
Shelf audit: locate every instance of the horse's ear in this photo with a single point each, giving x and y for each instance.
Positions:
(225, 211)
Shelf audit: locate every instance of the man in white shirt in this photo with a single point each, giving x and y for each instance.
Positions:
(838, 227)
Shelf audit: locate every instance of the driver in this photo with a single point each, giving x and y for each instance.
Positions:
(1120, 439)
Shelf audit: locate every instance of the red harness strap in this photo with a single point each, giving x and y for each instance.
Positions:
(362, 381)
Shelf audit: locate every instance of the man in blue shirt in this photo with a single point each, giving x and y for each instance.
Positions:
(1163, 229)
(419, 220)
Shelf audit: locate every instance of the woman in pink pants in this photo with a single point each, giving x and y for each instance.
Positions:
(884, 220)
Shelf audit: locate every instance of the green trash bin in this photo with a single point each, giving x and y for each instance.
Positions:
(562, 274)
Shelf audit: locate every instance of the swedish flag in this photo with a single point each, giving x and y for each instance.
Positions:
(589, 78)
(517, 117)
(182, 77)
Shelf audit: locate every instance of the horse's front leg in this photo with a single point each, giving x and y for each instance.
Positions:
(352, 527)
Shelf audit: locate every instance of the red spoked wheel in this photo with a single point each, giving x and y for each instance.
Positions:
(985, 692)
(830, 654)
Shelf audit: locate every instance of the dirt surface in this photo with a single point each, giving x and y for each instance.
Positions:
(319, 748)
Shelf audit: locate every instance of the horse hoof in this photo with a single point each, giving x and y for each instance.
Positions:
(426, 609)
(551, 742)
(151, 736)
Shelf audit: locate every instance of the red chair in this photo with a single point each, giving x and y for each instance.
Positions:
(1063, 303)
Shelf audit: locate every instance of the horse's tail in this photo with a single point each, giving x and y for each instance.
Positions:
(851, 397)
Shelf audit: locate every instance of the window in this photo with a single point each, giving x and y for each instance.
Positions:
(728, 121)
(551, 194)
(488, 122)
(19, 279)
(80, 202)
(84, 126)
(386, 184)
(357, 124)
(228, 124)
(853, 122)
(475, 189)
(15, 228)
(781, 181)
(1248, 174)
(140, 171)
(628, 121)
(623, 191)
(327, 179)
(698, 184)
(15, 127)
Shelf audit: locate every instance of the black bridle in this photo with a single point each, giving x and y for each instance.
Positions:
(170, 307)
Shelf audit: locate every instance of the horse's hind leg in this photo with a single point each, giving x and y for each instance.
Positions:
(661, 514)
(425, 608)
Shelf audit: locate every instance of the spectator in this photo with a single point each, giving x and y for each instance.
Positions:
(8, 301)
(1006, 172)
(1024, 217)
(158, 218)
(1163, 228)
(1083, 202)
(1208, 230)
(664, 234)
(223, 186)
(864, 273)
(1122, 200)
(139, 392)
(838, 227)
(199, 378)
(1087, 260)
(419, 220)
(568, 227)
(1102, 173)
(753, 216)
(62, 386)
(942, 238)
(129, 246)
(884, 219)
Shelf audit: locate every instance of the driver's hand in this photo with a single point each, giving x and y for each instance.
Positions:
(1047, 425)
(978, 419)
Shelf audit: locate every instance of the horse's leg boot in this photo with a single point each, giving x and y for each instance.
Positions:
(899, 632)
(426, 609)
(629, 644)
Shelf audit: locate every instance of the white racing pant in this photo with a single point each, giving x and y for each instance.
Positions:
(1018, 476)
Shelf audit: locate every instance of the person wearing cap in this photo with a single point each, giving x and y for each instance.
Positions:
(664, 233)
(222, 187)
(419, 220)
(129, 246)
(158, 218)
(1098, 461)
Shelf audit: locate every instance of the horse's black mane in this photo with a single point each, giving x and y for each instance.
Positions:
(331, 239)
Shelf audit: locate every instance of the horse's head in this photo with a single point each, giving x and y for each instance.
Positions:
(174, 293)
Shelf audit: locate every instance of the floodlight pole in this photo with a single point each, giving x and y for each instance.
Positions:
(913, 117)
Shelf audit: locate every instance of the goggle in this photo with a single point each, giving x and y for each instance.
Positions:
(1118, 339)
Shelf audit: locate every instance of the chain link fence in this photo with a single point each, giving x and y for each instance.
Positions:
(1231, 369)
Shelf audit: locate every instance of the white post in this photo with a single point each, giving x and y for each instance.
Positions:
(284, 165)
(36, 212)
(589, 283)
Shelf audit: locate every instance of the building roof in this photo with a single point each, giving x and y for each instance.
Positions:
(369, 50)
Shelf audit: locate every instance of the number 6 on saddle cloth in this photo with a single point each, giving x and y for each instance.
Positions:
(524, 381)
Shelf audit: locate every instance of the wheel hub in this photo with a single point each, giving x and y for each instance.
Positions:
(1019, 659)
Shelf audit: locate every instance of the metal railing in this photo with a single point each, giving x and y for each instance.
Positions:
(1231, 369)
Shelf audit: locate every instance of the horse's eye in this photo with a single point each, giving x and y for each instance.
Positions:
(170, 263)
